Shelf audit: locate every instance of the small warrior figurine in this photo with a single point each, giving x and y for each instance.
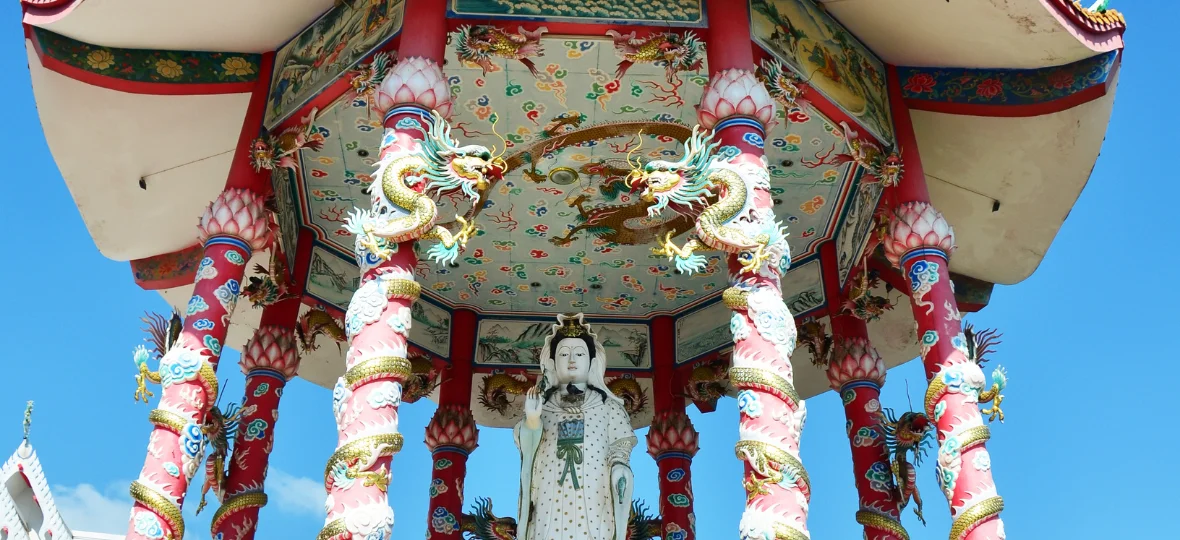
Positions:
(575, 444)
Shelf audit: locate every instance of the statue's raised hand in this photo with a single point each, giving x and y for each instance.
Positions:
(532, 408)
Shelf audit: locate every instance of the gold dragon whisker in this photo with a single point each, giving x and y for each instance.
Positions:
(502, 140)
(633, 150)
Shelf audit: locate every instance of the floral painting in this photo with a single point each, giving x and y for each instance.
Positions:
(330, 46)
(149, 66)
(828, 57)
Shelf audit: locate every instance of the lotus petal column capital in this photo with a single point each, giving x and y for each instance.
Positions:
(415, 81)
(735, 92)
(917, 225)
(240, 213)
(272, 348)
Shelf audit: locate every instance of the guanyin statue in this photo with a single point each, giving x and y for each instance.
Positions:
(575, 444)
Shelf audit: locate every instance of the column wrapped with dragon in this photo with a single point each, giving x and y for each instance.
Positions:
(186, 421)
(919, 243)
(725, 187)
(418, 159)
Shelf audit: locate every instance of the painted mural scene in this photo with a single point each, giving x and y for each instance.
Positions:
(572, 221)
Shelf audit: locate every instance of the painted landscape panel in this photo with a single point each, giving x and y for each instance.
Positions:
(330, 46)
(431, 328)
(331, 278)
(858, 224)
(702, 332)
(828, 57)
(517, 342)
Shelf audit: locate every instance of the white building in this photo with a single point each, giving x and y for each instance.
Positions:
(27, 511)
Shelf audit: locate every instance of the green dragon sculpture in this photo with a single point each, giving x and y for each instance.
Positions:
(731, 224)
(402, 206)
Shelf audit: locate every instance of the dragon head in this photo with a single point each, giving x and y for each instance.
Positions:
(261, 154)
(890, 170)
(909, 432)
(453, 167)
(684, 182)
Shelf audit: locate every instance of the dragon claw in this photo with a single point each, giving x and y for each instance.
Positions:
(752, 261)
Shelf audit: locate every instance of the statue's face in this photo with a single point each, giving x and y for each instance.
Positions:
(572, 360)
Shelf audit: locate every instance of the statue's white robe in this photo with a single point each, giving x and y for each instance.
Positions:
(559, 510)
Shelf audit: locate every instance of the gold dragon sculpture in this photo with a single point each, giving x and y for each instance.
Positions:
(402, 206)
(731, 224)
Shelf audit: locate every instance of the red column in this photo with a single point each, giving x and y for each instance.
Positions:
(920, 243)
(738, 108)
(269, 360)
(671, 439)
(232, 228)
(857, 373)
(672, 442)
(452, 435)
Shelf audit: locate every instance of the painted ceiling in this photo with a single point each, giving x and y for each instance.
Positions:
(544, 246)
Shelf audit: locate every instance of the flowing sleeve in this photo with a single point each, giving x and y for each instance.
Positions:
(622, 436)
(527, 440)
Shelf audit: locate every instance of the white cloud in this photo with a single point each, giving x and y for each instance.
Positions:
(295, 494)
(84, 508)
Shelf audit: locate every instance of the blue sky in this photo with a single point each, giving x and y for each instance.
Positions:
(1086, 432)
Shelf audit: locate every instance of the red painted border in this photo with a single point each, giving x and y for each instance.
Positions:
(1018, 111)
(135, 87)
(1076, 14)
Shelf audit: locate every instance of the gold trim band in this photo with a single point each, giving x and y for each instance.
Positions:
(882, 522)
(972, 517)
(235, 504)
(361, 447)
(401, 288)
(378, 367)
(741, 376)
(169, 420)
(161, 505)
(735, 298)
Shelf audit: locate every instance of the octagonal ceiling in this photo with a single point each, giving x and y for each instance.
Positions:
(561, 232)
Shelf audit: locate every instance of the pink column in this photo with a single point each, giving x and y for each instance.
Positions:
(367, 397)
(738, 108)
(234, 226)
(271, 358)
(920, 243)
